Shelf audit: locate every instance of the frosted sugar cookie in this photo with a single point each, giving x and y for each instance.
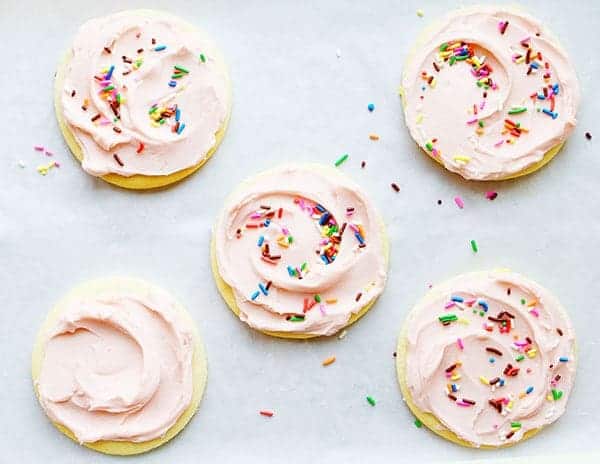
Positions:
(299, 251)
(487, 359)
(118, 366)
(489, 93)
(142, 98)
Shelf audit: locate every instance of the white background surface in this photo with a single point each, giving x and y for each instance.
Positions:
(293, 100)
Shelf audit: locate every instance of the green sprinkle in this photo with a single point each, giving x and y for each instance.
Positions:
(523, 301)
(162, 121)
(176, 76)
(517, 110)
(202, 58)
(474, 246)
(557, 394)
(481, 313)
(303, 267)
(290, 239)
(153, 109)
(461, 58)
(452, 60)
(296, 318)
(429, 146)
(480, 122)
(443, 47)
(108, 88)
(418, 423)
(119, 98)
(181, 68)
(448, 318)
(520, 358)
(515, 425)
(318, 298)
(341, 159)
(371, 400)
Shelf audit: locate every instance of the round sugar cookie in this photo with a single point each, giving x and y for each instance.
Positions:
(118, 366)
(299, 252)
(487, 359)
(489, 93)
(142, 98)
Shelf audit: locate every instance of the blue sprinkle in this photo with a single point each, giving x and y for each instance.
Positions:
(263, 289)
(255, 295)
(324, 219)
(541, 96)
(529, 390)
(159, 48)
(267, 223)
(483, 304)
(563, 359)
(555, 89)
(320, 208)
(501, 382)
(457, 299)
(177, 114)
(454, 388)
(423, 88)
(492, 360)
(181, 127)
(371, 107)
(261, 239)
(550, 113)
(110, 72)
(325, 259)
(172, 83)
(359, 238)
(534, 64)
(291, 271)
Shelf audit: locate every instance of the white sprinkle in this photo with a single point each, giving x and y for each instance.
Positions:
(338, 53)
(21, 164)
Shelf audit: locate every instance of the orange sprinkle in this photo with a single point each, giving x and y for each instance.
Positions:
(331, 300)
(329, 361)
(373, 136)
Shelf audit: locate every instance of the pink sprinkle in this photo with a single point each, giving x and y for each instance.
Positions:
(472, 121)
(353, 227)
(56, 163)
(470, 302)
(322, 309)
(521, 343)
(38, 148)
(491, 195)
(434, 152)
(255, 216)
(463, 404)
(449, 305)
(48, 153)
(482, 105)
(497, 144)
(460, 343)
(459, 202)
(285, 231)
(535, 312)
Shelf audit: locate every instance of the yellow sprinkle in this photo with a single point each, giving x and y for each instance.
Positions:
(479, 131)
(522, 395)
(331, 300)
(531, 353)
(328, 361)
(463, 321)
(373, 136)
(419, 118)
(420, 13)
(520, 60)
(283, 243)
(464, 159)
(343, 334)
(455, 377)
(43, 169)
(549, 398)
(510, 405)
(433, 82)
(484, 380)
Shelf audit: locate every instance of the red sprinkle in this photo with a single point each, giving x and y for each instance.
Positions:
(267, 413)
(491, 195)
(140, 148)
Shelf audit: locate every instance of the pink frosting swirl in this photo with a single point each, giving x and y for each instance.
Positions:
(491, 355)
(302, 249)
(489, 92)
(144, 94)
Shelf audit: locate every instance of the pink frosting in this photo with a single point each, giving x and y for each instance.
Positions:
(507, 67)
(491, 355)
(108, 111)
(117, 368)
(287, 273)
